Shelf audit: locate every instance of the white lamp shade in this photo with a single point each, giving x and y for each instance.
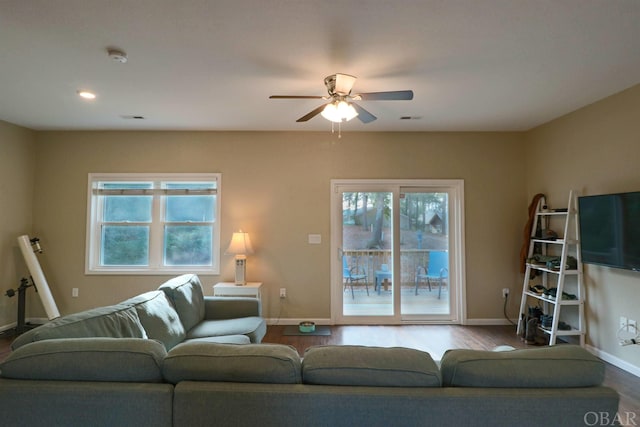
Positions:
(240, 244)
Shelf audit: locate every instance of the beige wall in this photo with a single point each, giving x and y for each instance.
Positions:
(276, 186)
(595, 150)
(17, 174)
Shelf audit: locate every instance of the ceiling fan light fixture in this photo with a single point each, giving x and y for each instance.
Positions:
(339, 111)
(346, 110)
(341, 84)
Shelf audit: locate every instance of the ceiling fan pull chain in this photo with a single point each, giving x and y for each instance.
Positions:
(333, 129)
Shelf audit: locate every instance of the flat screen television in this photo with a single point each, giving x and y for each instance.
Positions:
(610, 230)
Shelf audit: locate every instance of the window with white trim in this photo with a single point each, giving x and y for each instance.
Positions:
(153, 223)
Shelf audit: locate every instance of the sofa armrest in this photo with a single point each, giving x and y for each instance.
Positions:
(231, 308)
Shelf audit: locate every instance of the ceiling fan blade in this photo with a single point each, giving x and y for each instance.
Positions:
(363, 115)
(398, 95)
(295, 97)
(344, 83)
(311, 114)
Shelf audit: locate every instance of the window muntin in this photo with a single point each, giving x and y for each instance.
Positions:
(142, 223)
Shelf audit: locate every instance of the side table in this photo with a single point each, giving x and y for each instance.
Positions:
(229, 289)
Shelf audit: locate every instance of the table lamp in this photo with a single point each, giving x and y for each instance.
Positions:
(240, 246)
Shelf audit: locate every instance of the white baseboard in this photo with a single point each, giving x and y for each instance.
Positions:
(614, 360)
(8, 326)
(30, 321)
(489, 322)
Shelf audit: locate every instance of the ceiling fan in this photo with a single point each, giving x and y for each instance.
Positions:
(340, 106)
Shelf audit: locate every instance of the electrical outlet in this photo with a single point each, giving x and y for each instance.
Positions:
(624, 323)
(283, 292)
(74, 292)
(505, 292)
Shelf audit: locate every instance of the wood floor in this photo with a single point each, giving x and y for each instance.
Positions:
(434, 339)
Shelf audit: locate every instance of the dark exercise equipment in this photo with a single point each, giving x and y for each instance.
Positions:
(21, 326)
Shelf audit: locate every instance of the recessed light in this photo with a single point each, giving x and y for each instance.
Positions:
(86, 94)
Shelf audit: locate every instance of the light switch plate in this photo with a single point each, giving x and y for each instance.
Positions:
(315, 239)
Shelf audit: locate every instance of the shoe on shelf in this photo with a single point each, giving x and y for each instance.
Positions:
(551, 293)
(564, 326)
(537, 289)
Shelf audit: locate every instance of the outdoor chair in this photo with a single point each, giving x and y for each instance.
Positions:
(353, 274)
(437, 270)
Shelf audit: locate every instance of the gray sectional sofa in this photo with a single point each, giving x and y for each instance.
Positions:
(136, 382)
(151, 372)
(178, 311)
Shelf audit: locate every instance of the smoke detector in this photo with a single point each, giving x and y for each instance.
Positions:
(117, 55)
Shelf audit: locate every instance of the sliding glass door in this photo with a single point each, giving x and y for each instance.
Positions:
(366, 252)
(397, 247)
(424, 253)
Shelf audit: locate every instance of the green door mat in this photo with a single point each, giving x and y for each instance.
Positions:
(292, 330)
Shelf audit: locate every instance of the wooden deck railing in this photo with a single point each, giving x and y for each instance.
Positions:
(372, 260)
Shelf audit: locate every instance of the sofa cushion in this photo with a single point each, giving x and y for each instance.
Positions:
(249, 363)
(87, 359)
(158, 317)
(116, 321)
(369, 366)
(558, 366)
(253, 327)
(185, 292)
(224, 339)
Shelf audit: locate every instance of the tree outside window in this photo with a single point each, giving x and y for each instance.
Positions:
(153, 223)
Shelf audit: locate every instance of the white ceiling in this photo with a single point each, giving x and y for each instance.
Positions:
(211, 65)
